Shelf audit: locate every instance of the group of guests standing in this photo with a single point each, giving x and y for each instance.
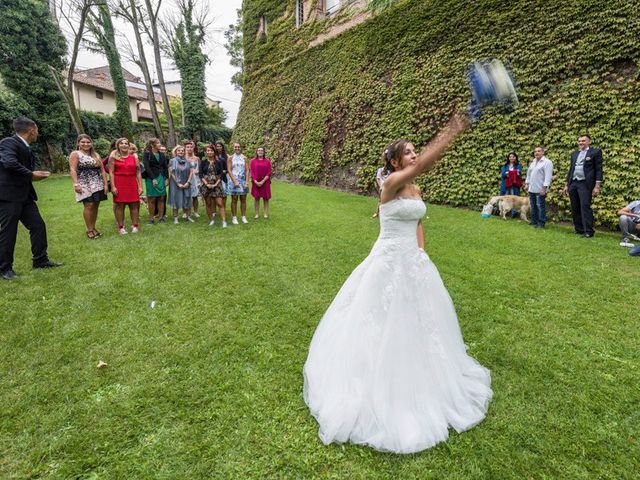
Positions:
(582, 183)
(178, 180)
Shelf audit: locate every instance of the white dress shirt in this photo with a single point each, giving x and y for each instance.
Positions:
(539, 174)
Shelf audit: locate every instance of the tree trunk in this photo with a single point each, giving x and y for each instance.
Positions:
(67, 95)
(145, 70)
(123, 113)
(171, 141)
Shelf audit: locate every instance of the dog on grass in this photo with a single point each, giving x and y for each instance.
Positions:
(506, 203)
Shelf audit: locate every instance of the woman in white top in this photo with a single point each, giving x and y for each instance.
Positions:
(238, 184)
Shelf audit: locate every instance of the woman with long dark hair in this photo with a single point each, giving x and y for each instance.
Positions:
(221, 170)
(211, 186)
(511, 174)
(156, 175)
(387, 365)
(89, 181)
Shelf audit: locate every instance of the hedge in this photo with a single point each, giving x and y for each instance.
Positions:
(326, 113)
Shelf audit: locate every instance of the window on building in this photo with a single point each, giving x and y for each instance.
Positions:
(99, 94)
(299, 12)
(332, 6)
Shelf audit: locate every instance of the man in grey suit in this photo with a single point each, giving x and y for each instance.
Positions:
(583, 183)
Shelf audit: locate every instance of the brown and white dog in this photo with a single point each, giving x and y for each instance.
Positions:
(506, 203)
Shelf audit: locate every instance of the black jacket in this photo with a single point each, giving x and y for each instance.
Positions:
(17, 163)
(592, 167)
(153, 167)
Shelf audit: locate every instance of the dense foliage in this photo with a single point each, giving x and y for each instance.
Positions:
(327, 112)
(30, 42)
(185, 45)
(234, 47)
(101, 25)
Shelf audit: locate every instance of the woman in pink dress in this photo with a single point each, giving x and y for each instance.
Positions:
(260, 170)
(126, 185)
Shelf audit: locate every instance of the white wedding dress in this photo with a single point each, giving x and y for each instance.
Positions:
(387, 366)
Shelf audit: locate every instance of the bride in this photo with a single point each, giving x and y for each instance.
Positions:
(387, 366)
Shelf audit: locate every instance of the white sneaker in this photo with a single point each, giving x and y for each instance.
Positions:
(184, 215)
(189, 219)
(244, 219)
(234, 220)
(134, 229)
(634, 237)
(224, 224)
(211, 223)
(175, 220)
(122, 231)
(196, 214)
(626, 243)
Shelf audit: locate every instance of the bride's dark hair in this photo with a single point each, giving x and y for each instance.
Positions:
(393, 151)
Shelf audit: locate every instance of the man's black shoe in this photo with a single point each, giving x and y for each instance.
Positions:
(9, 275)
(48, 264)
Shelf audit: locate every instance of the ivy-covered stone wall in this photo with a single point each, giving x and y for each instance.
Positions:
(326, 113)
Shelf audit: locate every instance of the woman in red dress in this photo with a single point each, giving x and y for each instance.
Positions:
(126, 185)
(260, 169)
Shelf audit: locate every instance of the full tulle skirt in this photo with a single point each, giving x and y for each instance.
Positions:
(387, 365)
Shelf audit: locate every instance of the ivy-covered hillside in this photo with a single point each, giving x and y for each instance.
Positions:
(326, 113)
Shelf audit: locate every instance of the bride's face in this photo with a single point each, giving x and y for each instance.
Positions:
(409, 157)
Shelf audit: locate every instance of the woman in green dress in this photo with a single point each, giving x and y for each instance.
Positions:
(156, 176)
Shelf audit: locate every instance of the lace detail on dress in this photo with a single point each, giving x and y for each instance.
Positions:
(387, 365)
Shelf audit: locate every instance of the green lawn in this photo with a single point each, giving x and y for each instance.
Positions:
(208, 383)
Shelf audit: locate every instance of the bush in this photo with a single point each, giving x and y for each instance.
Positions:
(11, 106)
(101, 146)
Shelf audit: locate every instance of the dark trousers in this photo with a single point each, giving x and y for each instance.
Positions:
(580, 196)
(26, 212)
(538, 209)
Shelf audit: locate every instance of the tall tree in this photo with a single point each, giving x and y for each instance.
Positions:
(184, 45)
(30, 42)
(128, 10)
(74, 14)
(235, 49)
(101, 26)
(151, 28)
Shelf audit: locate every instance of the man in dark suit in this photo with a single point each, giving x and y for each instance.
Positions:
(18, 198)
(583, 183)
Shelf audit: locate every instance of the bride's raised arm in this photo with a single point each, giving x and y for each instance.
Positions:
(429, 155)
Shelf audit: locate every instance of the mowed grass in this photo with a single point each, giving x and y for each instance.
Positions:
(208, 384)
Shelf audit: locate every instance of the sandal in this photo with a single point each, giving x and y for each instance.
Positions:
(96, 234)
(91, 235)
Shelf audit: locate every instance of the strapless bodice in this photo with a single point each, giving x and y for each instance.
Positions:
(399, 218)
